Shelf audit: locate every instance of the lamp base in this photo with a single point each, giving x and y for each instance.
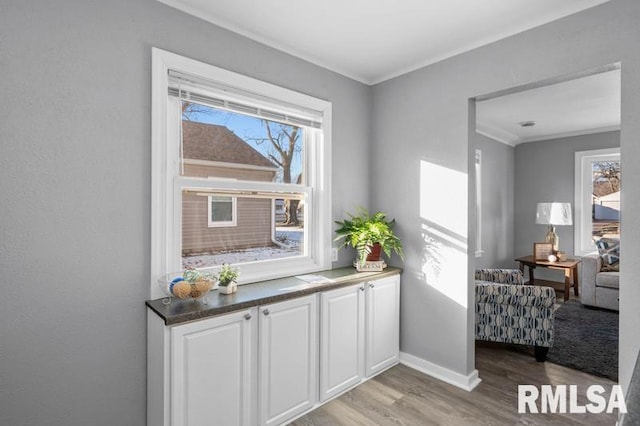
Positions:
(552, 238)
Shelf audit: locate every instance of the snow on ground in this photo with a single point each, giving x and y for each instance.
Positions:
(290, 237)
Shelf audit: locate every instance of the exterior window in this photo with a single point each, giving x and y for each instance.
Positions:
(222, 211)
(597, 197)
(241, 173)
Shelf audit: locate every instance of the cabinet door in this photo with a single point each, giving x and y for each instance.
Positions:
(342, 339)
(288, 359)
(211, 371)
(382, 324)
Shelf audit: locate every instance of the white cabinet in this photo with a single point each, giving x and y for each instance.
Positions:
(269, 364)
(211, 371)
(359, 333)
(288, 359)
(382, 324)
(342, 339)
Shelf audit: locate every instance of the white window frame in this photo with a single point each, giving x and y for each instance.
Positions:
(478, 175)
(583, 227)
(166, 186)
(223, 223)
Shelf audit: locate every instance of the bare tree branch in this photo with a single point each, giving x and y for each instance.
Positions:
(284, 141)
(275, 160)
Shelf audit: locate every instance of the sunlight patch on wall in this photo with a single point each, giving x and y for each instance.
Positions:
(443, 198)
(443, 209)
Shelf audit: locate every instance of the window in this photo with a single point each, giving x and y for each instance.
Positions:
(222, 211)
(597, 197)
(240, 173)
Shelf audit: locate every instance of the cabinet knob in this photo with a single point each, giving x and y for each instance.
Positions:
(362, 288)
(371, 285)
(247, 316)
(266, 312)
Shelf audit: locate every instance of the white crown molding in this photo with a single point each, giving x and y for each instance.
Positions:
(497, 134)
(213, 19)
(512, 140)
(381, 76)
(570, 134)
(450, 54)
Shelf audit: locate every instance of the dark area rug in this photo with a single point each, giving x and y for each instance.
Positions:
(586, 339)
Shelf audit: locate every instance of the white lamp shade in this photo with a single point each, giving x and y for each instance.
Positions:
(554, 214)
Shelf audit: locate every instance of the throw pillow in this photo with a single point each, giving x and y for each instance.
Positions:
(609, 251)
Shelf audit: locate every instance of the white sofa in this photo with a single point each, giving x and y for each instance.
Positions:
(600, 289)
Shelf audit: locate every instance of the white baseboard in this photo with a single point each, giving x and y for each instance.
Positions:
(468, 382)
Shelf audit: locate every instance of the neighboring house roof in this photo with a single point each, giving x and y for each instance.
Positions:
(211, 142)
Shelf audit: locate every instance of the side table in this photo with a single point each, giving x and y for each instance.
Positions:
(569, 267)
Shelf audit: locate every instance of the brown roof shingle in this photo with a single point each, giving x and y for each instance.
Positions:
(211, 142)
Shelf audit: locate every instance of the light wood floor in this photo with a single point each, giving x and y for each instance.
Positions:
(403, 396)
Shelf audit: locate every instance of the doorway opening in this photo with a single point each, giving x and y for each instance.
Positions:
(529, 139)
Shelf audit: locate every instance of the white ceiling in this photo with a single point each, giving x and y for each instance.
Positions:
(374, 40)
(584, 105)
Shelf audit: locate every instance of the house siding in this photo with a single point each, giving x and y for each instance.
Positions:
(253, 226)
(254, 220)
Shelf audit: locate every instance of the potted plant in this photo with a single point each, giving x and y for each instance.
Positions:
(369, 235)
(227, 279)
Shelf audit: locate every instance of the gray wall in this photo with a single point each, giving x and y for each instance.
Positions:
(75, 184)
(498, 184)
(424, 117)
(75, 178)
(546, 172)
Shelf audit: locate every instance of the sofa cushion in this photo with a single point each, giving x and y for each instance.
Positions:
(609, 250)
(608, 279)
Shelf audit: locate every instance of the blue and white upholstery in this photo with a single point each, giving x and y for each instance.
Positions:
(609, 251)
(503, 276)
(509, 311)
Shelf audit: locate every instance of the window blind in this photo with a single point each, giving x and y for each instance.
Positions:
(198, 90)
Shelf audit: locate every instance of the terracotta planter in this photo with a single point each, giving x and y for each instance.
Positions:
(376, 251)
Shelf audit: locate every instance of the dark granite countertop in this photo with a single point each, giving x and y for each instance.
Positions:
(261, 293)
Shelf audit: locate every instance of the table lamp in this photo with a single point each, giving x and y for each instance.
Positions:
(553, 214)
